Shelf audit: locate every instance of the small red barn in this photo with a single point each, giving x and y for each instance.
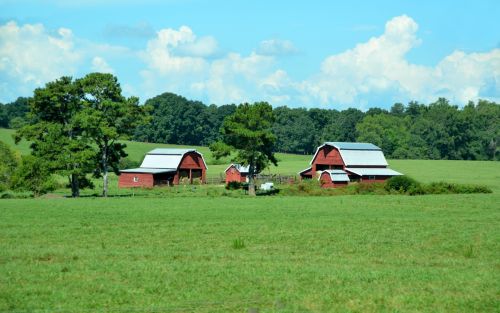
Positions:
(333, 178)
(237, 172)
(361, 161)
(165, 167)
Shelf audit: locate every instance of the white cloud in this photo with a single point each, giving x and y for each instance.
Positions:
(379, 67)
(375, 72)
(100, 65)
(276, 47)
(30, 56)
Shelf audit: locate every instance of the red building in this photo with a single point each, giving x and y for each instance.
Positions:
(237, 172)
(165, 167)
(360, 161)
(333, 178)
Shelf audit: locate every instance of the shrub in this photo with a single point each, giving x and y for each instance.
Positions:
(8, 165)
(369, 188)
(449, 188)
(33, 176)
(401, 184)
(235, 185)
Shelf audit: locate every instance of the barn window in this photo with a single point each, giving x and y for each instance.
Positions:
(136, 179)
(371, 177)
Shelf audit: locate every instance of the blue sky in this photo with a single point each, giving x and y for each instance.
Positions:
(328, 54)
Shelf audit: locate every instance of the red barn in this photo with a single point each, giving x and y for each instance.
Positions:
(165, 167)
(333, 178)
(360, 161)
(237, 172)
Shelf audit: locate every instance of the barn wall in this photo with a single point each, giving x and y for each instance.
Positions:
(327, 155)
(191, 161)
(233, 174)
(378, 179)
(126, 180)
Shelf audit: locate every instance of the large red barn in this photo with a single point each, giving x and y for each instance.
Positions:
(165, 167)
(360, 161)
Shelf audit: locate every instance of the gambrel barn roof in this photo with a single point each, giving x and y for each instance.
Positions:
(163, 160)
(357, 153)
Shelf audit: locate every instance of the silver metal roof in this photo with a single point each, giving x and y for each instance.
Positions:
(240, 168)
(170, 151)
(352, 145)
(373, 171)
(149, 170)
(363, 157)
(166, 158)
(357, 153)
(336, 175)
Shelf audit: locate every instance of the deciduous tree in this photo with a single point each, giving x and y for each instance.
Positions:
(248, 132)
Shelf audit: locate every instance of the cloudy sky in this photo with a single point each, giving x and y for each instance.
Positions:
(330, 54)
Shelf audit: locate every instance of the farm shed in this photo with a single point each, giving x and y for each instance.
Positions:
(333, 178)
(237, 172)
(361, 161)
(165, 167)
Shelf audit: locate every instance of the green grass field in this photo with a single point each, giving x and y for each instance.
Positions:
(358, 253)
(436, 253)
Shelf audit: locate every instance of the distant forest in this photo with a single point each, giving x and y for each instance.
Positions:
(438, 130)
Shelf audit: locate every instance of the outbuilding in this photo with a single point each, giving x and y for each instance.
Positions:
(333, 178)
(360, 160)
(166, 167)
(237, 172)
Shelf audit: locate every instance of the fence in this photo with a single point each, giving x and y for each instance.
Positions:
(276, 178)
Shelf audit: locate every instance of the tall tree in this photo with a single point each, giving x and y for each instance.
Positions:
(55, 134)
(248, 132)
(107, 116)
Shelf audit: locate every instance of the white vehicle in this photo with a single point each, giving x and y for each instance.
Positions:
(267, 186)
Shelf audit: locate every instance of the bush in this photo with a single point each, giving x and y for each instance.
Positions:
(8, 165)
(235, 185)
(449, 188)
(33, 176)
(369, 188)
(401, 184)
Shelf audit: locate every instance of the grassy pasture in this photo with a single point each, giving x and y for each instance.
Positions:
(359, 254)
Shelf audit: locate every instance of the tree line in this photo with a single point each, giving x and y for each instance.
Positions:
(439, 130)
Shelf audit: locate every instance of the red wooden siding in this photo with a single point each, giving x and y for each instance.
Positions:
(126, 180)
(232, 174)
(191, 167)
(326, 182)
(327, 158)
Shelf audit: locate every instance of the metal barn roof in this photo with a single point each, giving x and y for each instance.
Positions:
(352, 145)
(240, 168)
(363, 157)
(336, 175)
(373, 171)
(357, 153)
(149, 170)
(171, 151)
(166, 158)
